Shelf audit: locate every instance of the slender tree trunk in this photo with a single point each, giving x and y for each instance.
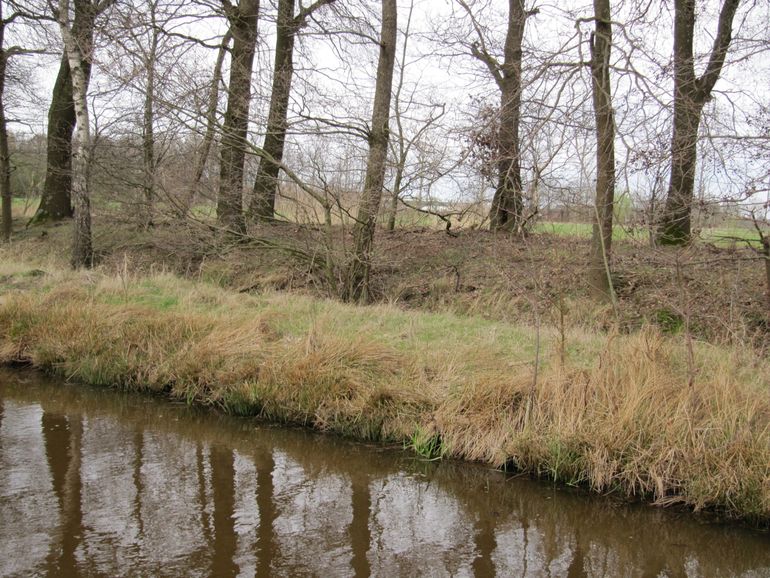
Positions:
(393, 210)
(5, 172)
(507, 203)
(148, 140)
(56, 199)
(363, 234)
(403, 148)
(601, 243)
(266, 182)
(211, 116)
(766, 254)
(243, 20)
(5, 157)
(690, 94)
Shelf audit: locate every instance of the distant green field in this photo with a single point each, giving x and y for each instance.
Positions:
(584, 230)
(24, 207)
(722, 236)
(729, 235)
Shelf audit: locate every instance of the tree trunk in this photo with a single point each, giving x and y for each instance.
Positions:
(402, 151)
(56, 199)
(393, 210)
(675, 226)
(5, 168)
(82, 250)
(148, 129)
(266, 182)
(601, 242)
(211, 117)
(5, 158)
(507, 204)
(690, 94)
(56, 202)
(358, 274)
(243, 26)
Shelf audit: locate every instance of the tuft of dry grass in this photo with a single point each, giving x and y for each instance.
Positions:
(618, 414)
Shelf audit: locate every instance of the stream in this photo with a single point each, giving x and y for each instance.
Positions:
(96, 482)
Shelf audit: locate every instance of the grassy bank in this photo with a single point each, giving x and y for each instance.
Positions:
(634, 414)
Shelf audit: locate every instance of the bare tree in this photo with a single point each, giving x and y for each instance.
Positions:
(690, 94)
(601, 242)
(242, 19)
(5, 160)
(507, 203)
(405, 142)
(357, 287)
(266, 182)
(148, 116)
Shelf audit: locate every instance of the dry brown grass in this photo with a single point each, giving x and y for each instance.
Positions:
(618, 415)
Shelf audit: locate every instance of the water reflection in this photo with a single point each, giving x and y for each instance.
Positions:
(99, 483)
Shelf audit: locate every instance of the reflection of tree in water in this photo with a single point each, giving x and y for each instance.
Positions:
(266, 544)
(347, 486)
(63, 438)
(138, 461)
(360, 535)
(202, 500)
(223, 490)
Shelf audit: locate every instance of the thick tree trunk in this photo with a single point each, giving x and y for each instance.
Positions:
(601, 243)
(56, 199)
(690, 94)
(243, 26)
(5, 157)
(266, 182)
(82, 250)
(675, 226)
(56, 202)
(507, 204)
(357, 287)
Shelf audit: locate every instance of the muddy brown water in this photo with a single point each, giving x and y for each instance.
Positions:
(95, 482)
